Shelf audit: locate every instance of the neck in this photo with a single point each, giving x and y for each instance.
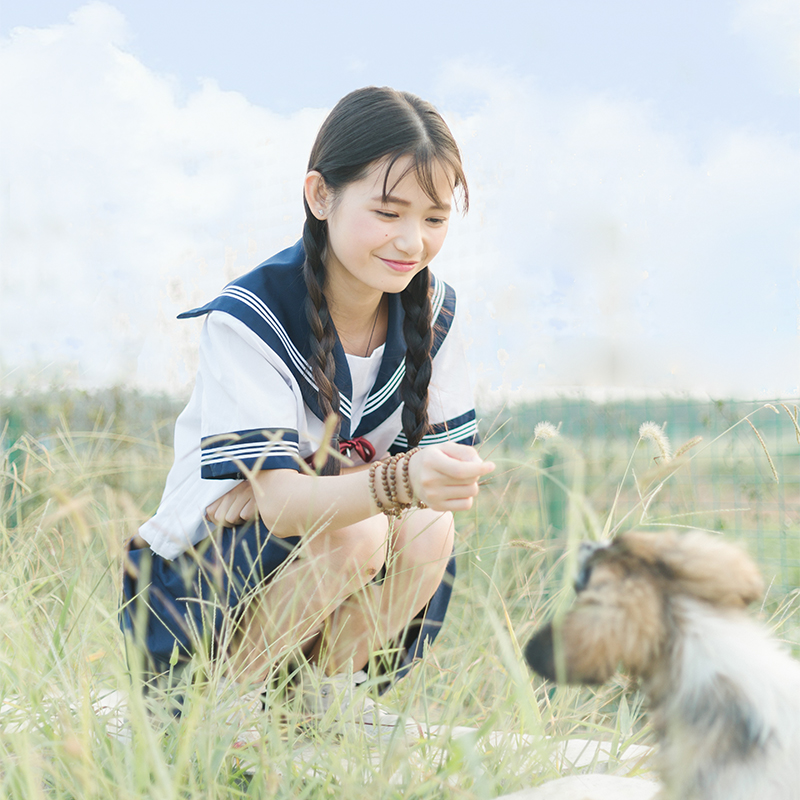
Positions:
(716, 662)
(362, 325)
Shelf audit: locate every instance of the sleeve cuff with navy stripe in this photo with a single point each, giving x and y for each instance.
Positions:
(463, 429)
(231, 455)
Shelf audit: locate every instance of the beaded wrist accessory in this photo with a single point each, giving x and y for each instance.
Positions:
(393, 506)
(407, 480)
(389, 476)
(394, 463)
(392, 509)
(373, 468)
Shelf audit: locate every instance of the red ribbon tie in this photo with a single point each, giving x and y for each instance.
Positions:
(361, 445)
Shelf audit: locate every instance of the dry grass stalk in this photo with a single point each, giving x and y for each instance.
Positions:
(764, 446)
(793, 418)
(536, 546)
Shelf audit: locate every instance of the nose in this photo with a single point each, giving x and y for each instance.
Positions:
(410, 239)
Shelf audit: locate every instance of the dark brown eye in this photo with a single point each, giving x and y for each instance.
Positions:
(585, 552)
(582, 578)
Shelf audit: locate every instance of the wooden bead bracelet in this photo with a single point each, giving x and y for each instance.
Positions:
(393, 506)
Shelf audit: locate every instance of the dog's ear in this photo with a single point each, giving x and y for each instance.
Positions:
(699, 564)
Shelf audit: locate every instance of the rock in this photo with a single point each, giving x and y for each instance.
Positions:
(589, 787)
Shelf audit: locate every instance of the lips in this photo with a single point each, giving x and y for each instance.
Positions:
(399, 266)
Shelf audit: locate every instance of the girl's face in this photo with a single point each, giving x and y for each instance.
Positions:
(380, 246)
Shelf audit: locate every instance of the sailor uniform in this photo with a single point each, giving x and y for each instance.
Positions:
(255, 406)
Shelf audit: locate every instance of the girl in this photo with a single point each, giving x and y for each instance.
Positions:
(331, 542)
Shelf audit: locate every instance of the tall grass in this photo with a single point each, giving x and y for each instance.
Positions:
(71, 499)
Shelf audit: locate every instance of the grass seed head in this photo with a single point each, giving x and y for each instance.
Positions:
(655, 434)
(545, 430)
(766, 452)
(684, 448)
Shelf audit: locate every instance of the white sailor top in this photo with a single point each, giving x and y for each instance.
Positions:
(254, 404)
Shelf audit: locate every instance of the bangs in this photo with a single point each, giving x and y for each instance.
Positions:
(424, 162)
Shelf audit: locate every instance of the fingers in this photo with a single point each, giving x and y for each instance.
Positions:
(249, 509)
(459, 462)
(461, 452)
(211, 512)
(447, 477)
(233, 508)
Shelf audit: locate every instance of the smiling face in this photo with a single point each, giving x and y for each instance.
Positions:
(378, 244)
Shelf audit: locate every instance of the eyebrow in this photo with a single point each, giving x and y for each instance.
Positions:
(400, 202)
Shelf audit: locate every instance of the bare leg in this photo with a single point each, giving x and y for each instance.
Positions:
(290, 610)
(370, 618)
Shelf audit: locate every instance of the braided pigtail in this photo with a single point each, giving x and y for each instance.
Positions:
(418, 333)
(323, 336)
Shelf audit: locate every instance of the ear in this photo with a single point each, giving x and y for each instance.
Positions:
(701, 565)
(317, 194)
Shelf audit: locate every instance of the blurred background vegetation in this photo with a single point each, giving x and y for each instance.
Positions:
(81, 471)
(729, 486)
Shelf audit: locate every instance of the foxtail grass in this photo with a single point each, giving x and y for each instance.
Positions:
(70, 503)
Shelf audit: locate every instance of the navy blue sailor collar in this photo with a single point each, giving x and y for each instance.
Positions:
(270, 300)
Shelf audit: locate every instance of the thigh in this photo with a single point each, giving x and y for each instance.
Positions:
(360, 546)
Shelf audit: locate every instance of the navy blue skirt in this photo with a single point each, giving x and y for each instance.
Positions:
(170, 608)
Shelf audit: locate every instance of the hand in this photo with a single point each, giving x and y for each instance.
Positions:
(235, 507)
(445, 477)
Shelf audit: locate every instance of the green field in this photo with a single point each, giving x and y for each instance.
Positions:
(81, 472)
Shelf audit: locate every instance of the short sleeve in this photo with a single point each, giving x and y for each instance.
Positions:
(451, 405)
(249, 410)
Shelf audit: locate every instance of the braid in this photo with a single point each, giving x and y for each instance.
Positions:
(323, 336)
(418, 333)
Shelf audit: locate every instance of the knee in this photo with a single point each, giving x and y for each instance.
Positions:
(367, 557)
(358, 552)
(426, 537)
(442, 535)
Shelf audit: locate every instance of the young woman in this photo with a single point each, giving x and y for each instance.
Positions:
(278, 535)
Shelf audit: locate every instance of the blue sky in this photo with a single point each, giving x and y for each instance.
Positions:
(634, 166)
(701, 63)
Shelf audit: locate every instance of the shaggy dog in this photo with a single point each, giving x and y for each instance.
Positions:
(724, 697)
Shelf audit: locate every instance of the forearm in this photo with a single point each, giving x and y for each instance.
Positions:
(444, 477)
(292, 503)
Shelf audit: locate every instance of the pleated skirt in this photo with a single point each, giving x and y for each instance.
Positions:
(170, 608)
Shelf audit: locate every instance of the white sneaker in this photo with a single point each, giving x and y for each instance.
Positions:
(336, 700)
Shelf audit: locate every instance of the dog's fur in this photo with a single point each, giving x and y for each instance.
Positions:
(669, 608)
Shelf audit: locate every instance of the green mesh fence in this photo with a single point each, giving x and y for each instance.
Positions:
(741, 482)
(728, 485)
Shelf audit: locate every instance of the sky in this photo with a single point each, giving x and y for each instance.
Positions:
(634, 172)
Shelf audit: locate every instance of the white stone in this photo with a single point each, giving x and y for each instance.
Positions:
(589, 787)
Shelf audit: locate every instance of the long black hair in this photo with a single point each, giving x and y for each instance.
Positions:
(366, 126)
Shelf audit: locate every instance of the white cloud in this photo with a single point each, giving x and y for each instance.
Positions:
(123, 205)
(610, 255)
(600, 250)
